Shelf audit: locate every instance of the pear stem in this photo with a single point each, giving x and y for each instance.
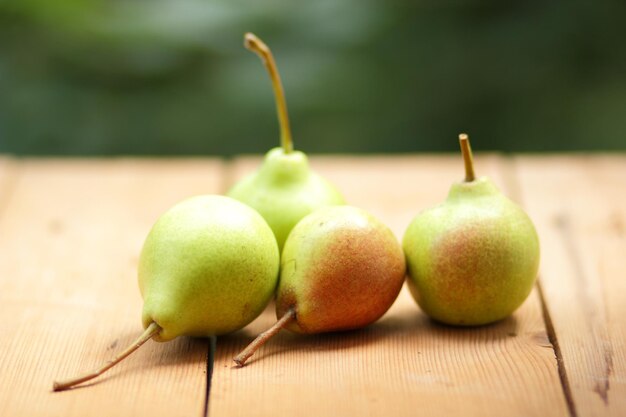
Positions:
(466, 150)
(150, 331)
(256, 45)
(261, 339)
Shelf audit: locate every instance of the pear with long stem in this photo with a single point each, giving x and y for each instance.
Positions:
(284, 189)
(474, 258)
(209, 266)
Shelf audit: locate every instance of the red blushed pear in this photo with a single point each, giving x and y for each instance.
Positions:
(473, 259)
(341, 269)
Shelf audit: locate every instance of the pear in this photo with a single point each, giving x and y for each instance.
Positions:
(341, 268)
(284, 189)
(209, 266)
(473, 259)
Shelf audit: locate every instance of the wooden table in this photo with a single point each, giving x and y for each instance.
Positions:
(71, 231)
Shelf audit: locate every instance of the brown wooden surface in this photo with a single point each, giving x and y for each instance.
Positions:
(71, 231)
(579, 205)
(404, 365)
(70, 234)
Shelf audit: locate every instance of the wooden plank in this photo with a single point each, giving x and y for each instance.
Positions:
(579, 204)
(404, 365)
(8, 176)
(69, 245)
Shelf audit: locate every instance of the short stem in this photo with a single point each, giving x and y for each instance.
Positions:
(261, 339)
(263, 51)
(466, 150)
(150, 332)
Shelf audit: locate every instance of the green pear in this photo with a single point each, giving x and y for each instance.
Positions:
(473, 259)
(341, 268)
(209, 266)
(284, 189)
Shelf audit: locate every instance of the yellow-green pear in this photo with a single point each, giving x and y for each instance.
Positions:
(209, 266)
(341, 268)
(284, 189)
(474, 258)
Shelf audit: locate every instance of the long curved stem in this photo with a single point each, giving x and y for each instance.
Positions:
(257, 46)
(466, 150)
(150, 331)
(261, 339)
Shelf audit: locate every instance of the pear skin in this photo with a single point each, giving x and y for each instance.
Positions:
(208, 267)
(284, 190)
(473, 259)
(341, 269)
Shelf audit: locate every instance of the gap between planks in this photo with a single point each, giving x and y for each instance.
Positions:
(579, 205)
(512, 186)
(227, 179)
(209, 374)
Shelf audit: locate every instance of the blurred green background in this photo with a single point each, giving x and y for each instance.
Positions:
(171, 77)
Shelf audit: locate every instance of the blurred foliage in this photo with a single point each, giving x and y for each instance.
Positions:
(106, 77)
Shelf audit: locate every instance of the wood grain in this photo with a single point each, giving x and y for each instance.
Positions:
(71, 231)
(404, 365)
(579, 205)
(70, 236)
